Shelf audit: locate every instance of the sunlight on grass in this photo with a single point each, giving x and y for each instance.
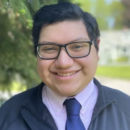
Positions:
(122, 72)
(16, 86)
(13, 87)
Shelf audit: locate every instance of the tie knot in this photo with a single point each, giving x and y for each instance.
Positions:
(72, 107)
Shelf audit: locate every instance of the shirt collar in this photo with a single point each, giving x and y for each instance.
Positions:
(56, 101)
(84, 95)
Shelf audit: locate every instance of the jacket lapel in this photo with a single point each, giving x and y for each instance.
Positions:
(103, 100)
(35, 113)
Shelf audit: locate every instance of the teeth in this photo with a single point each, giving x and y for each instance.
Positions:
(67, 74)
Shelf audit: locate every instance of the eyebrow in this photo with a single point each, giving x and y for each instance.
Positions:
(75, 40)
(79, 39)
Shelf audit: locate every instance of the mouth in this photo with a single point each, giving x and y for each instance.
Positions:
(66, 74)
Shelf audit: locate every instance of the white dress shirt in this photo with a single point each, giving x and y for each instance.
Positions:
(87, 98)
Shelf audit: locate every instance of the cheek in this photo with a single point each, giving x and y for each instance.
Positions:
(43, 68)
(93, 57)
(40, 69)
(89, 64)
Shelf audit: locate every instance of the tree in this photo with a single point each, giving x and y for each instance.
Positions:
(126, 16)
(59, 1)
(116, 12)
(16, 48)
(104, 12)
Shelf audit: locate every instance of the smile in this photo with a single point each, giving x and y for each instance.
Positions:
(65, 75)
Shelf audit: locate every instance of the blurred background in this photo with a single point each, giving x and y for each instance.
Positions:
(18, 63)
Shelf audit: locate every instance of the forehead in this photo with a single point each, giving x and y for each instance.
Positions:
(63, 32)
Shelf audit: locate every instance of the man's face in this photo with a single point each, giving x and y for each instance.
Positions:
(65, 75)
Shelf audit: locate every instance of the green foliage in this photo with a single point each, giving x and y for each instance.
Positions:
(126, 15)
(114, 71)
(86, 5)
(117, 11)
(17, 61)
(16, 50)
(104, 12)
(64, 1)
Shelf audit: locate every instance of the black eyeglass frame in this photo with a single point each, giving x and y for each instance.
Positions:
(60, 46)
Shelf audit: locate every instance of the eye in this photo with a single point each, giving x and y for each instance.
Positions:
(48, 48)
(77, 46)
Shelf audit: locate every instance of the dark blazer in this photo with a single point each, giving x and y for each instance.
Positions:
(26, 111)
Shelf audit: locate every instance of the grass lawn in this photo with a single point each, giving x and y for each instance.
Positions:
(122, 72)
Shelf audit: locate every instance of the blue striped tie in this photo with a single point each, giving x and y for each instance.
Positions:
(73, 119)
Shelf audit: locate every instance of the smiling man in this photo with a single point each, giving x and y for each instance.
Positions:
(66, 44)
(77, 60)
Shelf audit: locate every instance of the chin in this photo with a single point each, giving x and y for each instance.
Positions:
(68, 93)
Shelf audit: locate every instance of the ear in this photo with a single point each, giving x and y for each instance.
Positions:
(98, 41)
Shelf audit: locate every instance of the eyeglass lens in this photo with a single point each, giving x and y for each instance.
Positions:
(73, 49)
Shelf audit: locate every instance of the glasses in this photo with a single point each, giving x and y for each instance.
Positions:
(74, 49)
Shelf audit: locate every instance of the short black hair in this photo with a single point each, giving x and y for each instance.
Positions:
(50, 14)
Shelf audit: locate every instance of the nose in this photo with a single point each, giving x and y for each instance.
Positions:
(64, 61)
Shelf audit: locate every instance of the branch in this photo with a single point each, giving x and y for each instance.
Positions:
(32, 12)
(22, 15)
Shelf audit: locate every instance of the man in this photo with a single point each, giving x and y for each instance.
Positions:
(66, 41)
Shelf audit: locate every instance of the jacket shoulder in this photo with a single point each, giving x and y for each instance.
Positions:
(18, 99)
(10, 110)
(122, 99)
